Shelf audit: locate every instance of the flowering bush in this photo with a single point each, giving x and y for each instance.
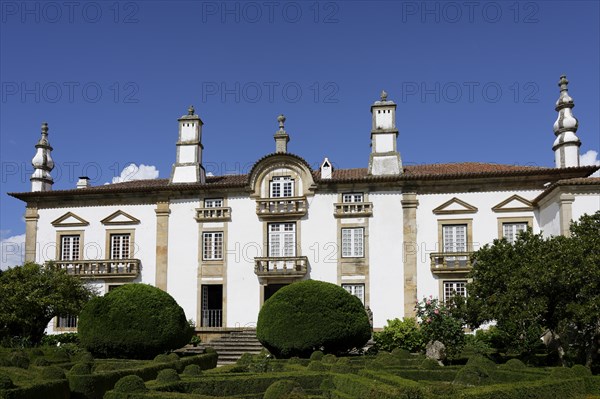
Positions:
(404, 334)
(439, 324)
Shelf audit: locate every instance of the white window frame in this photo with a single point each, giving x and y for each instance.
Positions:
(358, 290)
(213, 202)
(282, 233)
(511, 230)
(70, 247)
(212, 245)
(453, 239)
(281, 187)
(453, 288)
(66, 322)
(120, 245)
(353, 242)
(353, 197)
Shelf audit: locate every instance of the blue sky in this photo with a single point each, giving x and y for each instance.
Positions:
(474, 81)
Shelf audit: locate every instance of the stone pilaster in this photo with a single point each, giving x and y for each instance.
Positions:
(409, 211)
(31, 221)
(566, 213)
(162, 243)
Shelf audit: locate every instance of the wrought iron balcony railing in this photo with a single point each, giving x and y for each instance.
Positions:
(285, 206)
(353, 209)
(100, 268)
(213, 214)
(451, 262)
(281, 266)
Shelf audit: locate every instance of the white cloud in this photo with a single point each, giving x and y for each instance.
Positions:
(134, 172)
(590, 158)
(12, 251)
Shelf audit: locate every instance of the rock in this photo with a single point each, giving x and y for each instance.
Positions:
(436, 350)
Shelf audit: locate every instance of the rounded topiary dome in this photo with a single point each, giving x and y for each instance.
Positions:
(133, 321)
(311, 315)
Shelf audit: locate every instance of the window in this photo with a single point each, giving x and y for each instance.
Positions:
(358, 290)
(282, 239)
(212, 248)
(119, 246)
(66, 321)
(352, 197)
(452, 288)
(69, 247)
(455, 238)
(510, 231)
(213, 203)
(353, 243)
(282, 186)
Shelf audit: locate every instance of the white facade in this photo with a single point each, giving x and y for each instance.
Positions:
(222, 245)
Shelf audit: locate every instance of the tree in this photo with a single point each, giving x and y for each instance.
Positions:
(312, 315)
(133, 321)
(31, 295)
(439, 322)
(542, 284)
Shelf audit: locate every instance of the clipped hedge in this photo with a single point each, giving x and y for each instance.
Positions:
(540, 389)
(136, 321)
(310, 315)
(56, 389)
(94, 386)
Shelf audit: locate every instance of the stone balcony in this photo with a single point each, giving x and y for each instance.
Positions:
(281, 266)
(220, 214)
(100, 268)
(451, 262)
(353, 209)
(285, 207)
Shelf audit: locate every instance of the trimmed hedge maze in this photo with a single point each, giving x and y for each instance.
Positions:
(67, 372)
(385, 376)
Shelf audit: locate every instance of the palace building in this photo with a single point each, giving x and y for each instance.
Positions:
(222, 245)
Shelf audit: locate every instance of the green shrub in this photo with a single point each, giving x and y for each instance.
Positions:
(136, 321)
(309, 315)
(131, 384)
(315, 365)
(52, 373)
(295, 360)
(317, 355)
(329, 359)
(429, 364)
(473, 375)
(5, 381)
(514, 364)
(581, 371)
(401, 353)
(282, 389)
(64, 338)
(173, 357)
(41, 362)
(19, 359)
(167, 375)
(162, 358)
(562, 372)
(481, 361)
(60, 355)
(404, 334)
(36, 352)
(192, 370)
(83, 357)
(341, 368)
(81, 369)
(245, 360)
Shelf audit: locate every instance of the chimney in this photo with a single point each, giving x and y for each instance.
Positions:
(83, 182)
(326, 169)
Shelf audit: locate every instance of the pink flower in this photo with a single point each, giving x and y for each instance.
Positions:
(428, 320)
(428, 302)
(437, 311)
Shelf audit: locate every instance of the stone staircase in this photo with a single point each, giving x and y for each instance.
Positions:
(232, 346)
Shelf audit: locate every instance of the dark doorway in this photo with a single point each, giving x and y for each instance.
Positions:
(212, 305)
(271, 289)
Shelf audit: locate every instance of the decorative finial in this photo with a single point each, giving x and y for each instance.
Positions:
(566, 145)
(191, 110)
(383, 95)
(281, 120)
(45, 128)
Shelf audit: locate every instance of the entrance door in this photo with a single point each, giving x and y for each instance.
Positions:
(271, 289)
(212, 305)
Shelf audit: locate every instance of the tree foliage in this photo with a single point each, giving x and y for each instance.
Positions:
(31, 295)
(404, 334)
(134, 321)
(542, 284)
(310, 315)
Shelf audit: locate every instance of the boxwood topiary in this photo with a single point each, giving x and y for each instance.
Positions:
(5, 382)
(131, 384)
(192, 370)
(581, 371)
(136, 321)
(41, 362)
(167, 375)
(310, 315)
(514, 364)
(316, 355)
(19, 359)
(282, 390)
(81, 369)
(52, 373)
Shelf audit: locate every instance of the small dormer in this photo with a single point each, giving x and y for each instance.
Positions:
(326, 169)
